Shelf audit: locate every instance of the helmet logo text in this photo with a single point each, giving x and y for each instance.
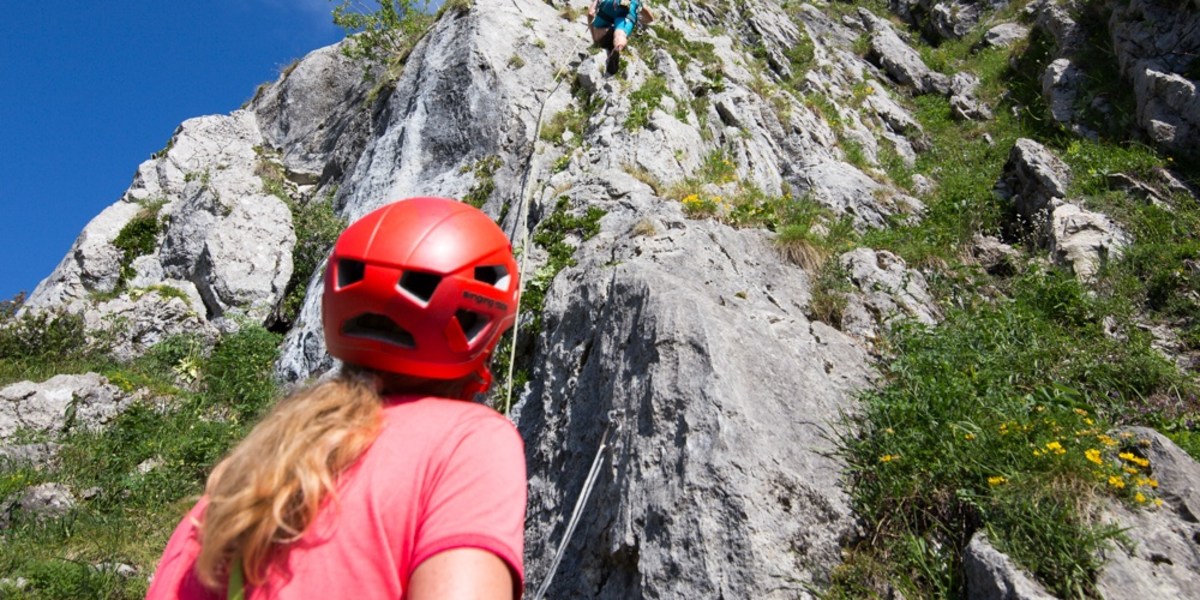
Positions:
(488, 302)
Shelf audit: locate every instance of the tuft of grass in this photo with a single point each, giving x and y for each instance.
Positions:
(644, 101)
(138, 237)
(485, 183)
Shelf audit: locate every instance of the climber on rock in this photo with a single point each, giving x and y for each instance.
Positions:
(385, 481)
(611, 22)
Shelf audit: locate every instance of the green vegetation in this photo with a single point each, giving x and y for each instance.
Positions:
(144, 469)
(485, 182)
(315, 224)
(383, 38)
(138, 237)
(998, 419)
(551, 234)
(645, 100)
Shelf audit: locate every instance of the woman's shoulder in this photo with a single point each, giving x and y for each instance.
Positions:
(443, 415)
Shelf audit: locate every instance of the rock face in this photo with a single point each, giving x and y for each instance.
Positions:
(1157, 43)
(991, 575)
(63, 402)
(887, 290)
(659, 357)
(1037, 183)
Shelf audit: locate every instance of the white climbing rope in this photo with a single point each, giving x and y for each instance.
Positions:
(523, 229)
(588, 484)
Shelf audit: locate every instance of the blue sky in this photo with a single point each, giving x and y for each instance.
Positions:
(89, 90)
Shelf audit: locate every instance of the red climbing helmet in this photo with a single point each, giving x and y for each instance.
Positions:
(423, 287)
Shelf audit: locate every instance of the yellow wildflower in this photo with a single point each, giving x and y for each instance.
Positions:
(1092, 455)
(889, 458)
(1158, 501)
(1037, 452)
(1140, 498)
(1137, 460)
(1152, 482)
(1107, 441)
(969, 436)
(1088, 421)
(1055, 447)
(1081, 412)
(997, 480)
(1116, 482)
(1130, 470)
(1126, 435)
(889, 431)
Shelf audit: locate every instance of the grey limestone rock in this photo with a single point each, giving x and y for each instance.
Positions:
(63, 402)
(28, 455)
(649, 337)
(1083, 240)
(1005, 35)
(1160, 557)
(40, 502)
(1032, 177)
(964, 105)
(991, 575)
(1157, 44)
(886, 290)
(1061, 83)
(898, 59)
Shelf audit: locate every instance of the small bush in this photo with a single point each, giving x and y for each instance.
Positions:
(645, 101)
(138, 237)
(239, 372)
(485, 183)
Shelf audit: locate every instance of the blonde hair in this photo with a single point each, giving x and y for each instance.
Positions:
(269, 489)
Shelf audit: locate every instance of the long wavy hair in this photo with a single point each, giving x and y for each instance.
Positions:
(268, 490)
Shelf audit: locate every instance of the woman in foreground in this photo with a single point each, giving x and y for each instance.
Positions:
(386, 481)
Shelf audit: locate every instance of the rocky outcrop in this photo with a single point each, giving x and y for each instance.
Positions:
(1157, 44)
(1036, 183)
(942, 19)
(991, 575)
(61, 403)
(886, 290)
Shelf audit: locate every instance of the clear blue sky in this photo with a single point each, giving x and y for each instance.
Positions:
(89, 90)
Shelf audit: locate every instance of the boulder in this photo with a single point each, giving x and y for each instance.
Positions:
(1032, 177)
(898, 59)
(40, 503)
(1159, 557)
(1083, 240)
(1005, 35)
(63, 402)
(886, 291)
(992, 575)
(135, 321)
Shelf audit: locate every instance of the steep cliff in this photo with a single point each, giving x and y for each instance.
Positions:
(697, 232)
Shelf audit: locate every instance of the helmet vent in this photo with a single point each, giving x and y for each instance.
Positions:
(378, 327)
(349, 271)
(472, 323)
(420, 285)
(494, 275)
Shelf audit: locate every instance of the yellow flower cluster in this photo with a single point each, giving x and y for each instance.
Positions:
(997, 480)
(889, 458)
(1093, 455)
(1137, 460)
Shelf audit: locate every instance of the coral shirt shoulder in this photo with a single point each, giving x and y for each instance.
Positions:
(443, 474)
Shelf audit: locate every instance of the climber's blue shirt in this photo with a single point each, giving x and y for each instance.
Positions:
(610, 13)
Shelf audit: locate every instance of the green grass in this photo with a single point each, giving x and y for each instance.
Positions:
(644, 101)
(138, 237)
(131, 511)
(987, 422)
(485, 182)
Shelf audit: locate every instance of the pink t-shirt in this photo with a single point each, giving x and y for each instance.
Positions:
(443, 474)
